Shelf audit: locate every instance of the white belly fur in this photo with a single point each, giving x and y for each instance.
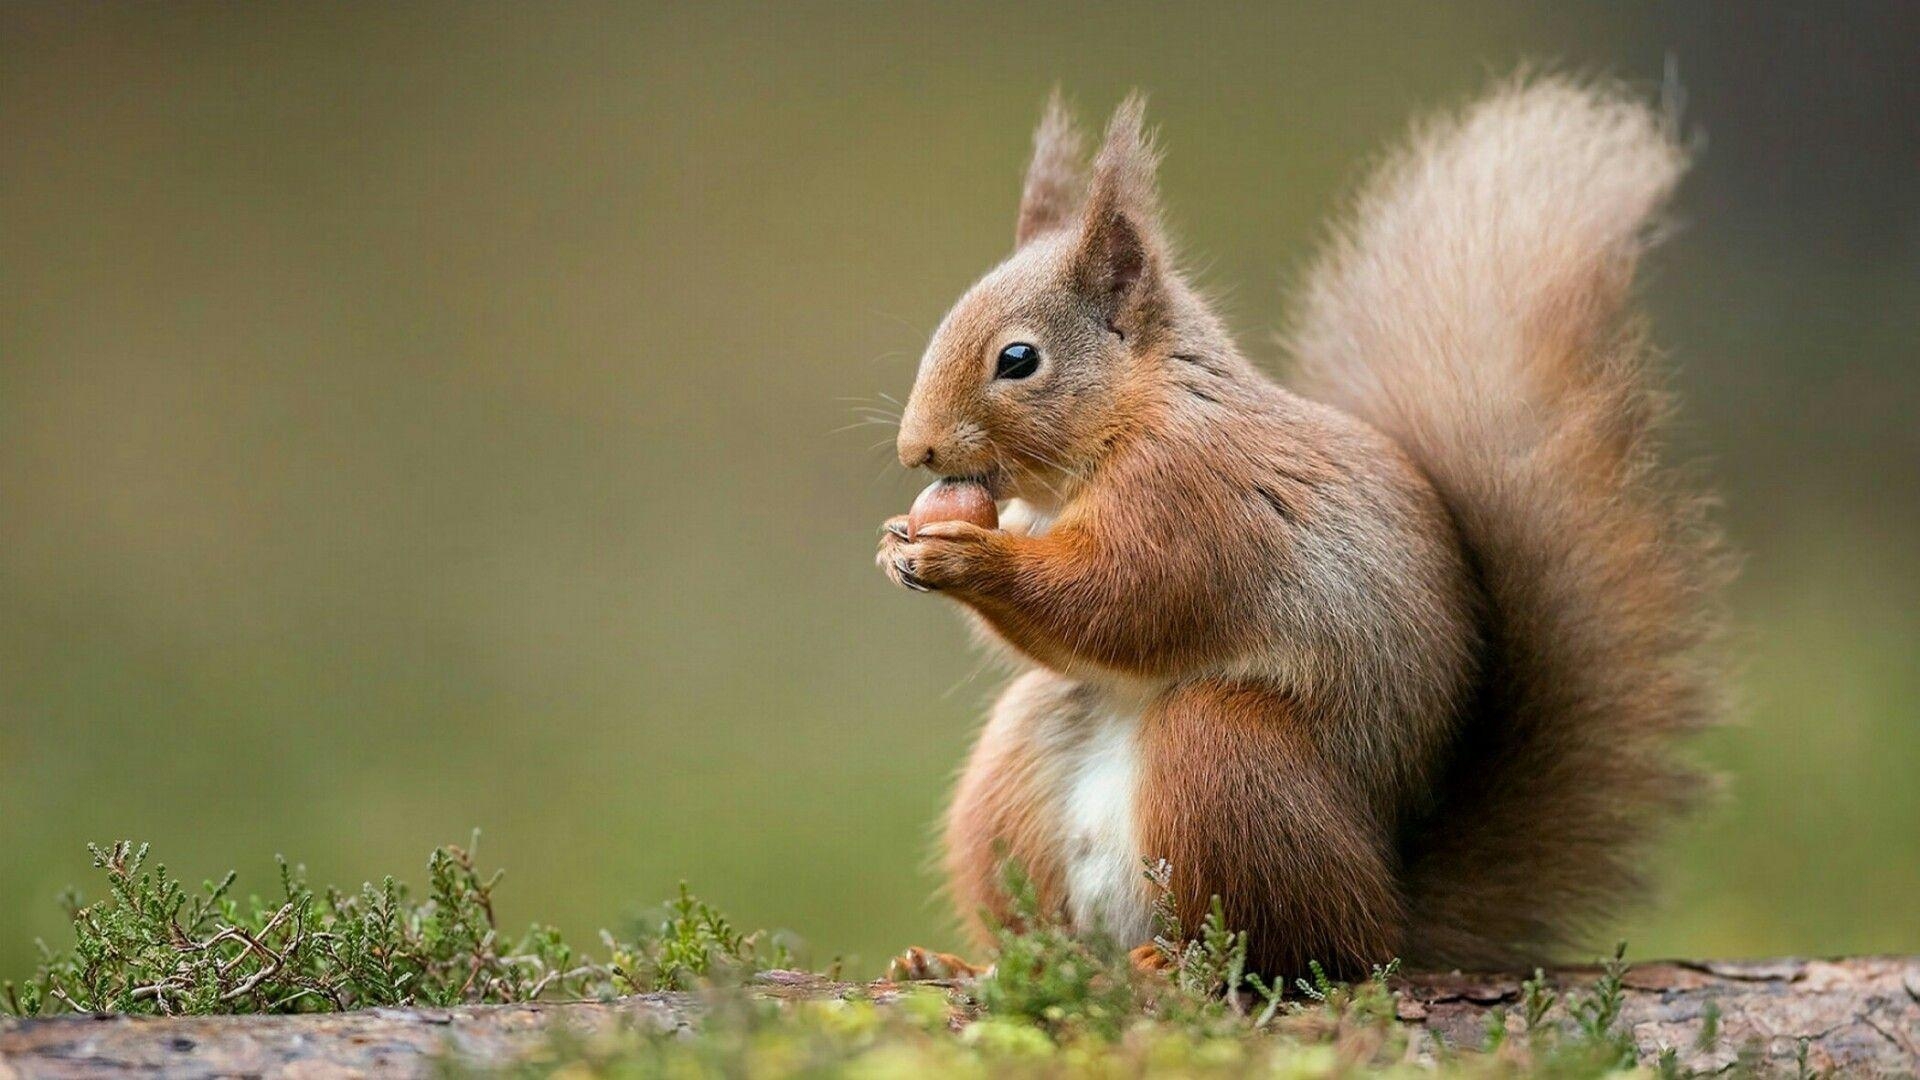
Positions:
(1106, 887)
(1097, 771)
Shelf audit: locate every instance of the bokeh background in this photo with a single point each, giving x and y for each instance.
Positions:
(422, 417)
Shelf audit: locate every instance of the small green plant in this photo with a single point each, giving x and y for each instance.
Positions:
(1536, 999)
(1709, 1036)
(1496, 1032)
(151, 945)
(1210, 968)
(692, 943)
(1596, 1015)
(1057, 981)
(1801, 1069)
(1320, 987)
(1668, 1066)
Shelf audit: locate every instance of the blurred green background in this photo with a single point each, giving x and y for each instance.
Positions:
(420, 417)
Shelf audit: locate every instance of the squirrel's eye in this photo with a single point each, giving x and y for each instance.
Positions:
(1017, 361)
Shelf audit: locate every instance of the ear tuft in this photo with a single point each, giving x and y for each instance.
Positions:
(1056, 181)
(1120, 254)
(1124, 172)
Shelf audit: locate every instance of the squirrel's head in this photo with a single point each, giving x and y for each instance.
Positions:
(1043, 361)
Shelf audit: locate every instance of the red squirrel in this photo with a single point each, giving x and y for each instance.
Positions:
(1391, 655)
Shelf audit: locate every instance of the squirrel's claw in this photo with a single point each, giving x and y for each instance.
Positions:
(903, 569)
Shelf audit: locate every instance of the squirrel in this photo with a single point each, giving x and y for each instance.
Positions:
(1390, 657)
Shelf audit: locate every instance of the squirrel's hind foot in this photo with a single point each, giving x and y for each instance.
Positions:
(925, 965)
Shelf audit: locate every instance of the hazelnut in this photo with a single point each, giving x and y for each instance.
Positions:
(953, 500)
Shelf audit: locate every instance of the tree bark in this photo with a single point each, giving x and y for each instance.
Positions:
(1857, 1017)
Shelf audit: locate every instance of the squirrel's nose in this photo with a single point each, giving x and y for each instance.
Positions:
(916, 454)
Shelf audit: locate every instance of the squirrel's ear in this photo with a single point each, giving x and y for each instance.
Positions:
(1118, 263)
(1056, 178)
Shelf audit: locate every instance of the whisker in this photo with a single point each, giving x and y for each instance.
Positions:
(890, 317)
(864, 422)
(979, 668)
(1049, 462)
(1001, 462)
(885, 470)
(869, 404)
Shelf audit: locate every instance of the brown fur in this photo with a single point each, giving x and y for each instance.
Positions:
(1239, 798)
(1407, 662)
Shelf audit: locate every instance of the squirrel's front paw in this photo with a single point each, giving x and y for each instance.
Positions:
(894, 559)
(942, 555)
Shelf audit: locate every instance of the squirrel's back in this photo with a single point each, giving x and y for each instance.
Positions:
(1474, 308)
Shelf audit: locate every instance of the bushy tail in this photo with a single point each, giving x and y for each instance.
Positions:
(1474, 309)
